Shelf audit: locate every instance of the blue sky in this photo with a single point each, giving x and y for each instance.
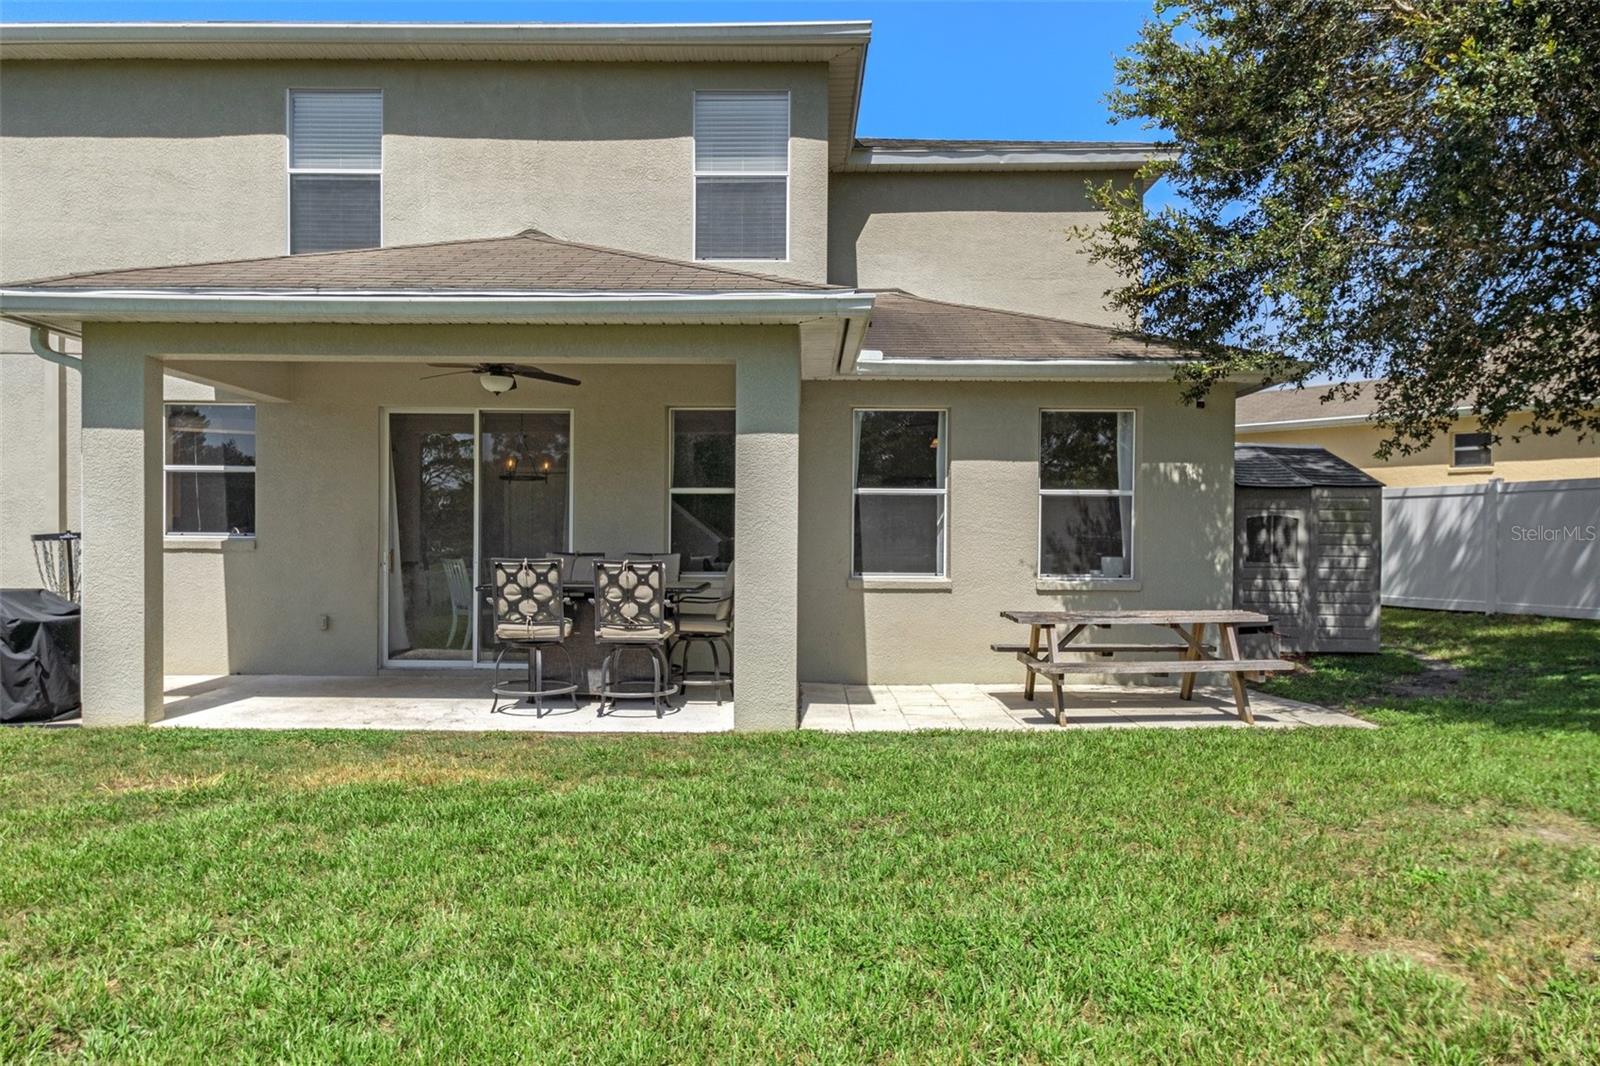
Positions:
(1024, 70)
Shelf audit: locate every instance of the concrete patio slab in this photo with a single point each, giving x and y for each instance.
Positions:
(458, 700)
(409, 699)
(888, 708)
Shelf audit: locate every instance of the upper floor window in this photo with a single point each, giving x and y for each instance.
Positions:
(335, 169)
(1086, 494)
(1471, 449)
(741, 175)
(211, 469)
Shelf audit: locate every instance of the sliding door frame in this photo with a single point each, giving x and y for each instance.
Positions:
(386, 560)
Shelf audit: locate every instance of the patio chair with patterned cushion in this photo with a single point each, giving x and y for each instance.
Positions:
(630, 613)
(706, 619)
(530, 613)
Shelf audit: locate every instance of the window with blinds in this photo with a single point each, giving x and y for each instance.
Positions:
(741, 175)
(335, 169)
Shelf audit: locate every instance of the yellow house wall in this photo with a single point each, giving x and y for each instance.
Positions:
(1534, 458)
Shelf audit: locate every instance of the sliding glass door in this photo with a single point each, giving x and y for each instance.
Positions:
(430, 601)
(464, 488)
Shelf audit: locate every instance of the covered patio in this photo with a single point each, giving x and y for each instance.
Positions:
(386, 483)
(457, 700)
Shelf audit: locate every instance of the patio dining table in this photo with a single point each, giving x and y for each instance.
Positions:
(1051, 635)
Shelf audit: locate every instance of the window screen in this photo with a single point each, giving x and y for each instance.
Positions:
(211, 469)
(1086, 494)
(741, 166)
(700, 526)
(900, 493)
(1471, 449)
(335, 169)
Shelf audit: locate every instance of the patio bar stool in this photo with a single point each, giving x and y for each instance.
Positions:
(630, 614)
(530, 613)
(709, 622)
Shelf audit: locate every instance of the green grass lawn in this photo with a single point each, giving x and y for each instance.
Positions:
(1428, 891)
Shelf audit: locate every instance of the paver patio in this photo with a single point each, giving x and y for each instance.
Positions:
(876, 708)
(458, 700)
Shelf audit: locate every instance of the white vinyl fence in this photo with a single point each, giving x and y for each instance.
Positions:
(1531, 547)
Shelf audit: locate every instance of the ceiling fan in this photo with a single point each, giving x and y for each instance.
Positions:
(500, 377)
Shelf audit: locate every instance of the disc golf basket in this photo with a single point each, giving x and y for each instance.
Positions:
(57, 556)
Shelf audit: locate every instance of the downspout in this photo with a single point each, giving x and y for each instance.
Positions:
(39, 340)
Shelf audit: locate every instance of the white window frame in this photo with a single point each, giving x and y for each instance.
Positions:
(1129, 492)
(942, 473)
(672, 465)
(291, 171)
(201, 468)
(696, 174)
(1455, 450)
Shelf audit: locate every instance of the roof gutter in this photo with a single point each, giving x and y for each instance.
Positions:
(874, 364)
(37, 306)
(1012, 157)
(116, 37)
(39, 341)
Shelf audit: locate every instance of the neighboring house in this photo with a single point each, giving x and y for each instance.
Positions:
(882, 370)
(1466, 455)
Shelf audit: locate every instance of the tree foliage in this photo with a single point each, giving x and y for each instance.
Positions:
(1399, 188)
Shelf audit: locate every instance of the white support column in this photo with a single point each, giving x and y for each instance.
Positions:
(121, 516)
(766, 522)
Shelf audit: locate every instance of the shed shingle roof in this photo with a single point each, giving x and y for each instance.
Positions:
(1293, 466)
(904, 326)
(530, 261)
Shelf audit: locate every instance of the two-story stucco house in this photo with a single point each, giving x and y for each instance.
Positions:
(883, 370)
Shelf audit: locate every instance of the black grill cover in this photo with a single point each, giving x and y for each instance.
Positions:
(38, 656)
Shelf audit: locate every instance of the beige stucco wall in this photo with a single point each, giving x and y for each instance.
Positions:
(1533, 458)
(113, 164)
(110, 164)
(941, 631)
(992, 239)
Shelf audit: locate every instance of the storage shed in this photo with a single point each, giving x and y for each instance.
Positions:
(1308, 546)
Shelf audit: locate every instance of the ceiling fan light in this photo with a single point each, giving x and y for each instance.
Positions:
(498, 383)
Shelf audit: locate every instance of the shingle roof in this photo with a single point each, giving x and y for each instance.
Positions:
(529, 261)
(904, 326)
(1295, 405)
(1293, 466)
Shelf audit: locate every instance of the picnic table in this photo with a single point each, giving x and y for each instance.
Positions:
(1051, 635)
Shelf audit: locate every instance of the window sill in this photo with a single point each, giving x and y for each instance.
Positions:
(201, 543)
(1470, 470)
(1087, 584)
(901, 584)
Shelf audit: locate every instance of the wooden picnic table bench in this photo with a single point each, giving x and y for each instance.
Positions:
(1042, 656)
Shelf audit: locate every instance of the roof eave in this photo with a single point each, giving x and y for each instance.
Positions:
(874, 364)
(70, 309)
(1092, 158)
(119, 39)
